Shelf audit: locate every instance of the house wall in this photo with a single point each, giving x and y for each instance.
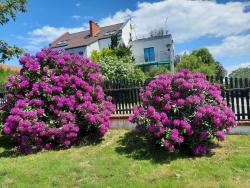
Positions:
(104, 43)
(160, 48)
(91, 47)
(78, 50)
(126, 31)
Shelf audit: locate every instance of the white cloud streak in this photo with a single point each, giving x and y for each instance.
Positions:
(232, 46)
(76, 17)
(234, 67)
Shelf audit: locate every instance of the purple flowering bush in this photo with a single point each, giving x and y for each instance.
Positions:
(56, 100)
(183, 110)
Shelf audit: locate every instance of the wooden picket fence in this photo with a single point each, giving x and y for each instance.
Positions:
(235, 91)
(126, 94)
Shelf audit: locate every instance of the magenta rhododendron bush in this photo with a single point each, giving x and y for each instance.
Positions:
(183, 110)
(56, 100)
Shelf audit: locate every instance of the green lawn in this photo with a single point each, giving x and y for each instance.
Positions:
(126, 160)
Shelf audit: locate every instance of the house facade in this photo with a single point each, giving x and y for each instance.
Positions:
(154, 50)
(151, 50)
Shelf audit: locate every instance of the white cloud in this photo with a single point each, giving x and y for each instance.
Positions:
(187, 20)
(76, 17)
(234, 67)
(232, 46)
(78, 4)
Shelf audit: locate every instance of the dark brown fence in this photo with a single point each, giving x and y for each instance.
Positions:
(2, 95)
(125, 94)
(236, 92)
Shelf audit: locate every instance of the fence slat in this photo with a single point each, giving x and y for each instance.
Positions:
(247, 99)
(242, 99)
(227, 92)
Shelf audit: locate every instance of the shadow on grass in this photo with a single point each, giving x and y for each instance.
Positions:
(7, 145)
(134, 145)
(11, 152)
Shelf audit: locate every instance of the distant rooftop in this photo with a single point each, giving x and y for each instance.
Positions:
(10, 67)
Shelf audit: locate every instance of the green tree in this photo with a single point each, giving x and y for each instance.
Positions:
(204, 55)
(195, 64)
(220, 70)
(241, 73)
(114, 41)
(201, 60)
(8, 10)
(7, 52)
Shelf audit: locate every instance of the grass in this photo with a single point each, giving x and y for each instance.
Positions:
(124, 159)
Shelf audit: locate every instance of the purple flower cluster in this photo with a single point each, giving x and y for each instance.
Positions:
(183, 109)
(54, 101)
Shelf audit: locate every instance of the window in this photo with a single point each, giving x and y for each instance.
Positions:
(109, 33)
(81, 53)
(62, 43)
(149, 54)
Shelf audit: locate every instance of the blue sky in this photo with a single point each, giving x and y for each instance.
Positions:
(222, 26)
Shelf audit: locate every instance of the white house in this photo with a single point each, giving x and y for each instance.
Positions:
(154, 50)
(147, 50)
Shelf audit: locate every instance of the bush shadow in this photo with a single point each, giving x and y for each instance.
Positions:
(10, 150)
(7, 145)
(136, 146)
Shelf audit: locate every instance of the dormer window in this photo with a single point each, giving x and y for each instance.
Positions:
(109, 33)
(62, 43)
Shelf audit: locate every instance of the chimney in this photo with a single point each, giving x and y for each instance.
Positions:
(94, 28)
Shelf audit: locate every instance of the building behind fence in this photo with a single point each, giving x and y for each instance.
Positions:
(126, 94)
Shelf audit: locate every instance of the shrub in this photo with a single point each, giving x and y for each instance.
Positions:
(55, 101)
(117, 63)
(183, 110)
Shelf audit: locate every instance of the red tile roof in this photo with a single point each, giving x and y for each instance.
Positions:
(13, 68)
(83, 38)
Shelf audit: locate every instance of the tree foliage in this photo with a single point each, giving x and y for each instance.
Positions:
(154, 71)
(8, 10)
(241, 72)
(117, 63)
(195, 64)
(201, 60)
(7, 51)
